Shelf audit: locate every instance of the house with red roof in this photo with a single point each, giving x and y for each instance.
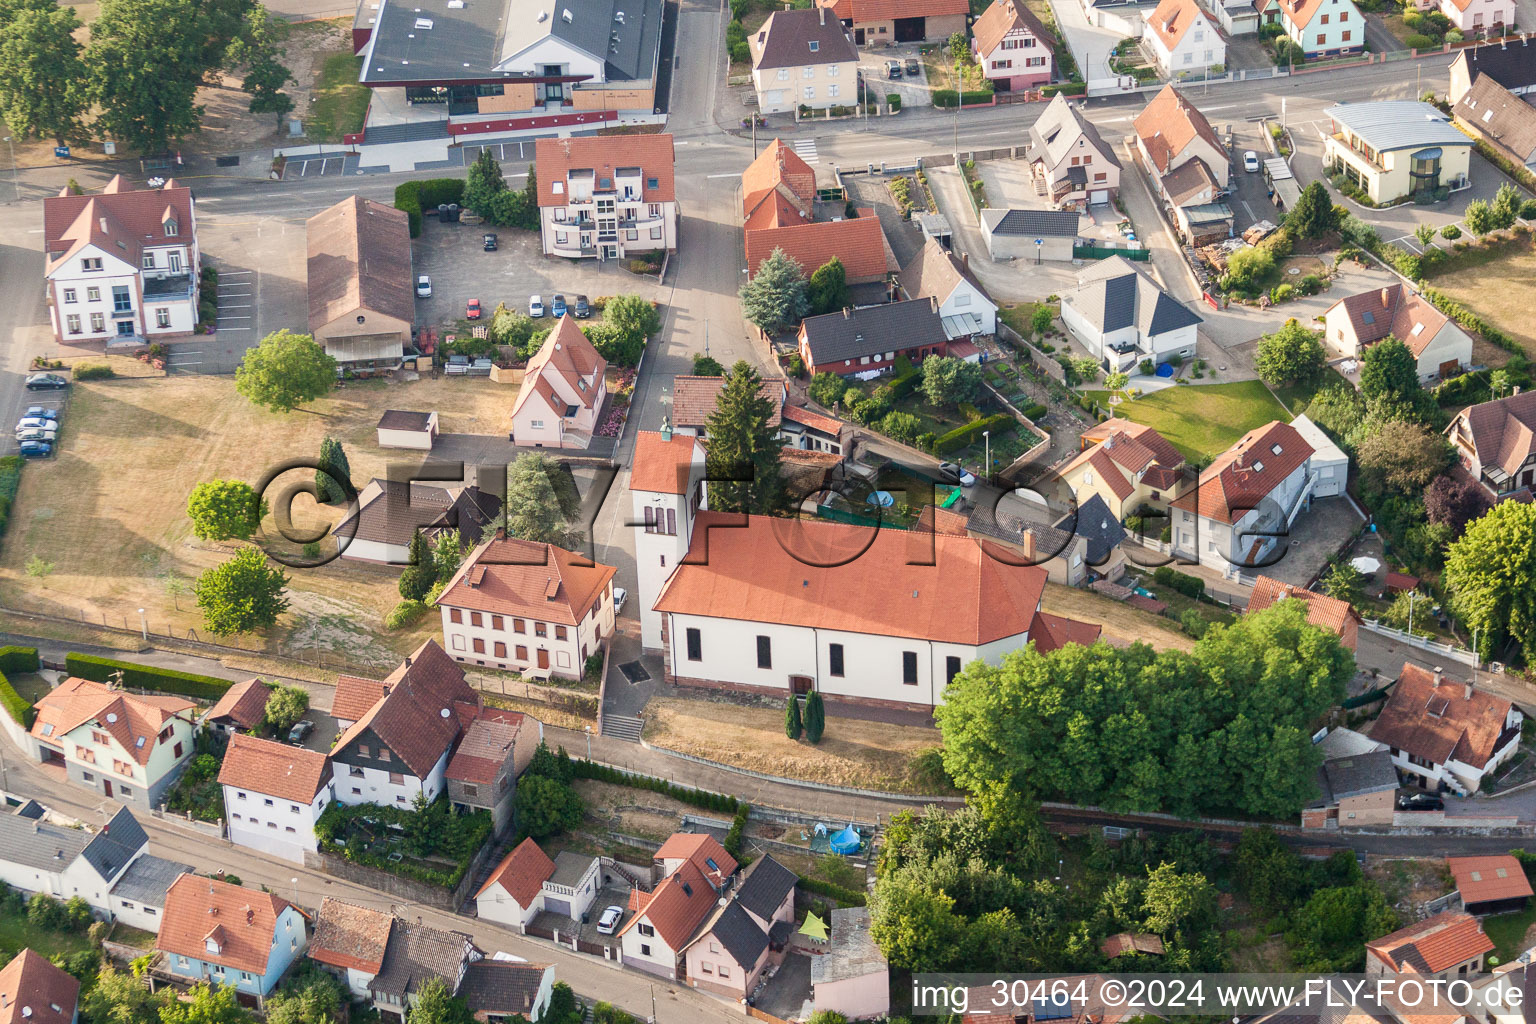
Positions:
(532, 608)
(273, 795)
(528, 882)
(1322, 28)
(1337, 617)
(1450, 944)
(1246, 501)
(121, 265)
(1495, 442)
(1128, 465)
(241, 709)
(1355, 322)
(350, 941)
(1013, 48)
(34, 991)
(1445, 735)
(606, 196)
(493, 752)
(126, 746)
(561, 396)
(1493, 884)
(666, 483)
(223, 934)
(1187, 162)
(897, 22)
(1182, 39)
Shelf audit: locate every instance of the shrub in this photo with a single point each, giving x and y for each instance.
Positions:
(836, 892)
(709, 801)
(21, 712)
(893, 100)
(1034, 412)
(414, 197)
(1183, 583)
(960, 437)
(147, 677)
(94, 371)
(733, 837)
(404, 614)
(1419, 41)
(1283, 292)
(1069, 89)
(1528, 210)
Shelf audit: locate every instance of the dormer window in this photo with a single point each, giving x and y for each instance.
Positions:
(212, 945)
(171, 228)
(815, 45)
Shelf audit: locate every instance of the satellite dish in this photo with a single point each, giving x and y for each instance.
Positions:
(112, 717)
(445, 712)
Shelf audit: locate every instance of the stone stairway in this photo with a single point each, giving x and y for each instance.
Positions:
(622, 727)
(414, 131)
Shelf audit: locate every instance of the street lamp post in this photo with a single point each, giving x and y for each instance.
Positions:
(986, 436)
(143, 625)
(1038, 243)
(589, 741)
(295, 881)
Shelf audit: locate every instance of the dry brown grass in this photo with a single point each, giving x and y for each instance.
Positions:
(634, 812)
(110, 511)
(1120, 621)
(852, 752)
(549, 715)
(1501, 289)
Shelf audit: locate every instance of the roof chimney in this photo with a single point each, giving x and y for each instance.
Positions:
(1386, 297)
(1439, 675)
(103, 225)
(823, 11)
(407, 661)
(847, 312)
(666, 428)
(1027, 542)
(965, 261)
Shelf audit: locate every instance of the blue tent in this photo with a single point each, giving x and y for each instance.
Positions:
(846, 841)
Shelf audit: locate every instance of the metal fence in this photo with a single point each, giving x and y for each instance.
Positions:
(1104, 252)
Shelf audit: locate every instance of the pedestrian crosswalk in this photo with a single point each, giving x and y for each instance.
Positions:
(805, 149)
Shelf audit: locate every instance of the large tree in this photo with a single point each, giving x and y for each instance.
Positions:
(1291, 355)
(1455, 501)
(334, 477)
(285, 706)
(1226, 727)
(1402, 457)
(243, 594)
(42, 78)
(776, 296)
(417, 577)
(1490, 576)
(118, 997)
(546, 806)
(1173, 900)
(482, 183)
(948, 381)
(206, 1004)
(285, 371)
(1388, 367)
(1314, 214)
(829, 287)
(224, 510)
(258, 50)
(742, 463)
(542, 503)
(436, 1004)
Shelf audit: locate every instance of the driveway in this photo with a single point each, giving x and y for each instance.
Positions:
(914, 90)
(1315, 536)
(1380, 38)
(872, 191)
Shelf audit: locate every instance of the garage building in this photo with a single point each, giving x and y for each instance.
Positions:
(361, 299)
(1013, 234)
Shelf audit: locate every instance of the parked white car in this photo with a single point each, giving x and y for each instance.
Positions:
(424, 287)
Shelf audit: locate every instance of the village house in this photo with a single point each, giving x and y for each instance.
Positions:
(1450, 944)
(1075, 548)
(362, 299)
(747, 934)
(416, 954)
(1357, 790)
(562, 393)
(753, 616)
(533, 608)
(224, 934)
(852, 977)
(1037, 235)
(349, 941)
(1440, 347)
(459, 72)
(388, 513)
(1322, 28)
(34, 991)
(694, 399)
(1393, 149)
(1493, 884)
(895, 22)
(110, 869)
(1012, 47)
(242, 708)
(400, 746)
(865, 342)
(1445, 735)
(496, 748)
(121, 265)
(965, 308)
(1183, 41)
(1495, 443)
(273, 795)
(1478, 18)
(1122, 317)
(1500, 118)
(666, 487)
(1330, 463)
(777, 188)
(1188, 163)
(126, 746)
(804, 58)
(1246, 501)
(1337, 617)
(606, 196)
(1126, 465)
(527, 883)
(1508, 62)
(1070, 158)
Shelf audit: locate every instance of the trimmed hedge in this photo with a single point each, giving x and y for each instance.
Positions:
(906, 383)
(1470, 321)
(733, 837)
(836, 892)
(1183, 583)
(146, 677)
(17, 659)
(697, 797)
(416, 196)
(1069, 89)
(962, 436)
(1034, 412)
(948, 97)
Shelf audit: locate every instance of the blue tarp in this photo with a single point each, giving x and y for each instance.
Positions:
(1164, 370)
(846, 841)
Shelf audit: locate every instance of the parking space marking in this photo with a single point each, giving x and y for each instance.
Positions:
(235, 328)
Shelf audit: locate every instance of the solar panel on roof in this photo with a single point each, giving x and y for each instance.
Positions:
(1056, 1006)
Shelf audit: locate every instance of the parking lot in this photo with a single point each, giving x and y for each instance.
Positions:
(51, 401)
(307, 167)
(913, 89)
(453, 256)
(1249, 200)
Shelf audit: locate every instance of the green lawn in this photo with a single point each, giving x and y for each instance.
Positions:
(30, 685)
(1298, 396)
(1508, 932)
(1018, 315)
(1202, 420)
(16, 933)
(340, 103)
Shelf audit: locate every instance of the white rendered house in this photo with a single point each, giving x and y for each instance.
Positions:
(273, 795)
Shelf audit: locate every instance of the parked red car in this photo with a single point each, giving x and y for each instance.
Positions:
(472, 310)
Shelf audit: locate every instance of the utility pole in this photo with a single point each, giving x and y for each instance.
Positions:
(958, 91)
(754, 135)
(1411, 595)
(653, 1006)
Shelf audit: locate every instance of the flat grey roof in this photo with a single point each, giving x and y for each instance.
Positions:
(851, 952)
(147, 879)
(1387, 125)
(570, 866)
(468, 43)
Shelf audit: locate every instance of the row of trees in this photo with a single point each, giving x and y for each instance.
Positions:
(141, 70)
